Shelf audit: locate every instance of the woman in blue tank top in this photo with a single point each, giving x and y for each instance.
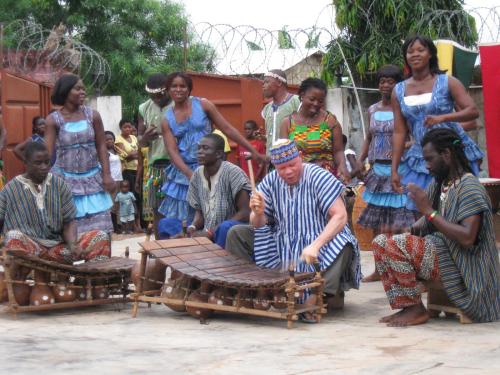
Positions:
(189, 120)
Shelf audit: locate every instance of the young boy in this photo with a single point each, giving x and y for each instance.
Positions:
(259, 169)
(128, 208)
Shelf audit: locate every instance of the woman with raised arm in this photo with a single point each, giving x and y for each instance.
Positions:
(184, 124)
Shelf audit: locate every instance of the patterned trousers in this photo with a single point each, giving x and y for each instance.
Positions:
(95, 245)
(401, 260)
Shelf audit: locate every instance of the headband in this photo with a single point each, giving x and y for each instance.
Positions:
(274, 75)
(283, 150)
(159, 90)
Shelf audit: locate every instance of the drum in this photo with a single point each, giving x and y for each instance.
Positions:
(492, 186)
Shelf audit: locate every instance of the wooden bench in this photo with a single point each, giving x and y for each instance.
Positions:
(438, 301)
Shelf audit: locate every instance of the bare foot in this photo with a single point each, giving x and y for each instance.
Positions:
(371, 278)
(388, 318)
(410, 316)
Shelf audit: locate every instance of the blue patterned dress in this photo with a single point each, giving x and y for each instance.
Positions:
(385, 208)
(78, 164)
(187, 134)
(441, 103)
(296, 216)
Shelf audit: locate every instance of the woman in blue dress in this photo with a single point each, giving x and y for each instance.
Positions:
(77, 133)
(424, 101)
(185, 123)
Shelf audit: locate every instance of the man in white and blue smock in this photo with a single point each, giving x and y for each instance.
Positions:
(298, 218)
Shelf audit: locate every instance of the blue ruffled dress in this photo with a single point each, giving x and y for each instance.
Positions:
(78, 164)
(188, 134)
(441, 103)
(386, 209)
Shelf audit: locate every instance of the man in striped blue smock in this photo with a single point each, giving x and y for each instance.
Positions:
(298, 217)
(453, 243)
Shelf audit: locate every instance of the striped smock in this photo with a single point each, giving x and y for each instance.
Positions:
(296, 216)
(470, 276)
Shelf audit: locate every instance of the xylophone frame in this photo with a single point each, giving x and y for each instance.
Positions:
(290, 287)
(115, 268)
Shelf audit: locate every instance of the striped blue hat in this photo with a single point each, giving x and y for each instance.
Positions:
(283, 150)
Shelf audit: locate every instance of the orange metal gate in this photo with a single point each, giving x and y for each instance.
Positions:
(22, 99)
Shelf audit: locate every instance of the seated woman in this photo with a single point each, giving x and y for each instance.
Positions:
(219, 192)
(454, 242)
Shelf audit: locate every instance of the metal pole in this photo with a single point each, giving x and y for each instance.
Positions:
(185, 47)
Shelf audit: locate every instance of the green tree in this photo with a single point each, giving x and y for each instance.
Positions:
(372, 31)
(135, 37)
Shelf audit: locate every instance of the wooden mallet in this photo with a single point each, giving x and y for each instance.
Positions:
(248, 157)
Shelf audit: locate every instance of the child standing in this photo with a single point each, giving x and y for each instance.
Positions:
(259, 169)
(127, 210)
(115, 167)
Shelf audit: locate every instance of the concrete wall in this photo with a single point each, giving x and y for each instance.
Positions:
(110, 108)
(309, 67)
(342, 102)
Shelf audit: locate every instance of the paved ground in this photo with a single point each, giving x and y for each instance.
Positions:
(108, 341)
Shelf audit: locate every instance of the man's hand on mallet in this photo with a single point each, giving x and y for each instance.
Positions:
(257, 203)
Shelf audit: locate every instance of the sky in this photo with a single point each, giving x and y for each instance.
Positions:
(274, 14)
(233, 56)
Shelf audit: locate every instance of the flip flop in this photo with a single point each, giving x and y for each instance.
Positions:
(302, 318)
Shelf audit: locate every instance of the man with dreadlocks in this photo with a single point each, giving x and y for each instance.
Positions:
(453, 242)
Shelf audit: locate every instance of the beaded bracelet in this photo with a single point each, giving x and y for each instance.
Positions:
(432, 215)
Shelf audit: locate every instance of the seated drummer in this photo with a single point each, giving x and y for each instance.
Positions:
(453, 243)
(298, 218)
(37, 215)
(218, 191)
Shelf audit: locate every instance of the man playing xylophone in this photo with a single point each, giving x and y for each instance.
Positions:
(298, 218)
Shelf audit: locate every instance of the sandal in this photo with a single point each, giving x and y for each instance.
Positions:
(304, 319)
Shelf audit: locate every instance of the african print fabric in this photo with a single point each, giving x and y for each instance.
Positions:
(315, 141)
(470, 275)
(400, 260)
(95, 245)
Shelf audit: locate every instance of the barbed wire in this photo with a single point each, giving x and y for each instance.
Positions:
(247, 50)
(45, 54)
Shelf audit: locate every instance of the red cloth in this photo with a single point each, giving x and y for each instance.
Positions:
(490, 69)
(260, 146)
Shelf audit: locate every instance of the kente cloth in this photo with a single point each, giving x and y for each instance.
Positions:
(217, 202)
(315, 141)
(126, 203)
(152, 115)
(441, 103)
(241, 153)
(126, 147)
(95, 245)
(470, 276)
(400, 260)
(188, 134)
(490, 72)
(274, 114)
(296, 216)
(38, 211)
(78, 164)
